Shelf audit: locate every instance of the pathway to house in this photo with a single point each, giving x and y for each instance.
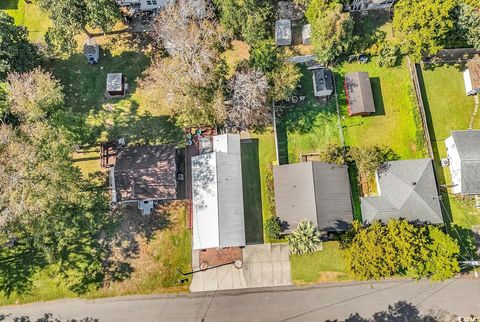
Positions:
(475, 111)
(263, 265)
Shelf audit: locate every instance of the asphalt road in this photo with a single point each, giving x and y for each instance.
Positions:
(394, 300)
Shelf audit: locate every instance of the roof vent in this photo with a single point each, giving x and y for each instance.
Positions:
(414, 183)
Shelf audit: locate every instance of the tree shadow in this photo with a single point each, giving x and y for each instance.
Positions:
(367, 28)
(377, 96)
(9, 5)
(400, 312)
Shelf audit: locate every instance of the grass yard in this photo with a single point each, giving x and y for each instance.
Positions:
(395, 124)
(325, 265)
(308, 126)
(252, 196)
(448, 108)
(28, 15)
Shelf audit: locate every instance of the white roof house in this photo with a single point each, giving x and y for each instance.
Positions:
(463, 149)
(218, 216)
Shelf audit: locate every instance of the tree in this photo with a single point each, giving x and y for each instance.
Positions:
(304, 239)
(469, 22)
(422, 25)
(71, 17)
(333, 153)
(332, 29)
(389, 54)
(273, 227)
(284, 81)
(17, 54)
(264, 56)
(442, 249)
(248, 107)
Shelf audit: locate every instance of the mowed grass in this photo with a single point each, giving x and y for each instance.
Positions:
(325, 265)
(28, 15)
(448, 108)
(252, 196)
(394, 124)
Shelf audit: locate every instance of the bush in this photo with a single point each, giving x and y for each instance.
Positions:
(333, 153)
(389, 55)
(305, 238)
(273, 228)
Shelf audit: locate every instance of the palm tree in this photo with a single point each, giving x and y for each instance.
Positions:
(305, 238)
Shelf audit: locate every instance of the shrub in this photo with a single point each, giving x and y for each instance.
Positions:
(389, 55)
(304, 239)
(273, 227)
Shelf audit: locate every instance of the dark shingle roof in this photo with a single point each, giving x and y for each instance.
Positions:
(359, 93)
(316, 191)
(468, 146)
(145, 172)
(407, 189)
(323, 82)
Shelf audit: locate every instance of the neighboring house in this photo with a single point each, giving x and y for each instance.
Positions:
(116, 85)
(144, 175)
(143, 5)
(315, 191)
(471, 76)
(283, 32)
(406, 189)
(307, 34)
(362, 5)
(322, 82)
(91, 51)
(463, 149)
(359, 94)
(217, 202)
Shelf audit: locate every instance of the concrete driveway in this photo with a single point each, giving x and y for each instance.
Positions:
(263, 266)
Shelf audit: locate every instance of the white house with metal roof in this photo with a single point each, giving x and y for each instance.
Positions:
(463, 149)
(217, 195)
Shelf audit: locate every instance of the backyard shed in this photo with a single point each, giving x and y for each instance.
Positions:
(359, 94)
(283, 32)
(322, 82)
(217, 195)
(91, 51)
(307, 34)
(144, 174)
(116, 85)
(315, 191)
(471, 76)
(406, 189)
(463, 149)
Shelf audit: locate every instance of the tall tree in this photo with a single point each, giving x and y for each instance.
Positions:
(72, 17)
(332, 29)
(469, 22)
(17, 54)
(422, 25)
(248, 107)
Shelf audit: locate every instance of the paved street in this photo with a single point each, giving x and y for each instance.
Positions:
(411, 301)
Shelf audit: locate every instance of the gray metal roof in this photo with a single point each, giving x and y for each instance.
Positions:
(114, 82)
(283, 32)
(146, 172)
(322, 82)
(407, 189)
(315, 191)
(468, 147)
(359, 93)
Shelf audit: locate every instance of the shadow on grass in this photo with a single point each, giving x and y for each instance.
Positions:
(377, 96)
(252, 196)
(367, 28)
(9, 4)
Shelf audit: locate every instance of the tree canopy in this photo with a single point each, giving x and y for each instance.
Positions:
(469, 23)
(332, 29)
(422, 25)
(17, 54)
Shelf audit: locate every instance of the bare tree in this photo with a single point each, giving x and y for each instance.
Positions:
(249, 106)
(188, 31)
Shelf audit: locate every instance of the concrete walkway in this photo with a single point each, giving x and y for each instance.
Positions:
(263, 266)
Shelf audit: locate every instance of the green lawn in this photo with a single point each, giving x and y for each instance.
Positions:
(395, 124)
(252, 197)
(325, 265)
(28, 15)
(448, 108)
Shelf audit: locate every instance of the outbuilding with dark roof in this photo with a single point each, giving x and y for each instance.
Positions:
(315, 191)
(322, 82)
(359, 94)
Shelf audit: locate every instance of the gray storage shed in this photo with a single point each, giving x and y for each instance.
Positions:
(283, 32)
(322, 82)
(359, 94)
(315, 191)
(116, 84)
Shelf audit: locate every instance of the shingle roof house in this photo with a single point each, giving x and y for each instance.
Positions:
(359, 94)
(471, 76)
(463, 149)
(316, 191)
(283, 32)
(406, 189)
(322, 82)
(144, 173)
(218, 215)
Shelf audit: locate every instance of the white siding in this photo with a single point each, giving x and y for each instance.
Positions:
(468, 81)
(205, 202)
(455, 164)
(227, 143)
